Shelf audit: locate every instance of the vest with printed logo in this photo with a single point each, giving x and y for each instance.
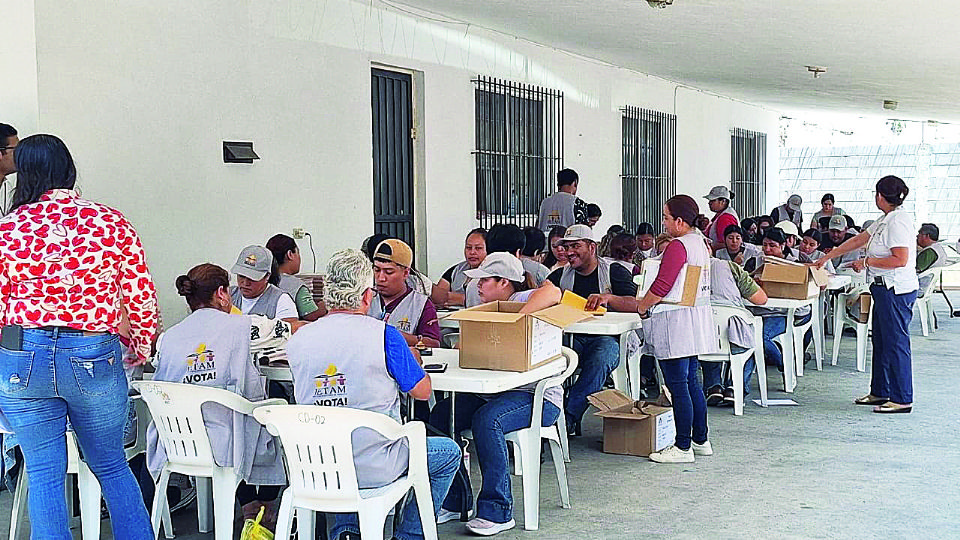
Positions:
(212, 348)
(339, 361)
(405, 317)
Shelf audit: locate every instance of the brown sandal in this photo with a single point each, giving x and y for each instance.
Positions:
(891, 408)
(870, 399)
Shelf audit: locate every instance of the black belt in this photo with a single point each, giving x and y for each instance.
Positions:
(879, 281)
(62, 329)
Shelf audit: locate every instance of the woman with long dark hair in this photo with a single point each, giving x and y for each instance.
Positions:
(891, 254)
(71, 272)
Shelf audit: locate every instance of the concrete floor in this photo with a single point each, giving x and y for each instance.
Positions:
(824, 469)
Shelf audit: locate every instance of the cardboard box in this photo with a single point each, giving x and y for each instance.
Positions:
(684, 292)
(633, 428)
(787, 279)
(497, 336)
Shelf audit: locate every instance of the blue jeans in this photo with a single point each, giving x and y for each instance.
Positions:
(773, 327)
(490, 421)
(599, 356)
(443, 460)
(689, 404)
(57, 375)
(892, 371)
(713, 372)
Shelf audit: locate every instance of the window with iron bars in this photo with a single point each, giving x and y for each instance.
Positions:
(748, 171)
(649, 169)
(519, 149)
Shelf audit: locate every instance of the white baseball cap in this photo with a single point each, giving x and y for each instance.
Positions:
(789, 228)
(499, 264)
(578, 232)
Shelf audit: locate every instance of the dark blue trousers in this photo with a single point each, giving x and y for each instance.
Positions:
(892, 375)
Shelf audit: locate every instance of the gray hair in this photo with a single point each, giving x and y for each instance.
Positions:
(349, 275)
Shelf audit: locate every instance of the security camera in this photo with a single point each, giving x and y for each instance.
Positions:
(659, 4)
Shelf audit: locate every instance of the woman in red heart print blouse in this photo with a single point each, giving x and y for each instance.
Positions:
(69, 270)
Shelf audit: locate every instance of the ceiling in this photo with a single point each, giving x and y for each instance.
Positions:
(900, 50)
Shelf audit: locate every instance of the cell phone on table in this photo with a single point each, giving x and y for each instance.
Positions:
(439, 367)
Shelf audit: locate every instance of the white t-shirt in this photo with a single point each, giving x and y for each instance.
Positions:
(894, 230)
(286, 309)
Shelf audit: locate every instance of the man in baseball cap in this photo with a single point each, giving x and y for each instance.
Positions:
(409, 311)
(719, 201)
(836, 235)
(586, 274)
(254, 294)
(790, 211)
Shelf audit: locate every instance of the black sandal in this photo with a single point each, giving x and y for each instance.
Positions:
(870, 399)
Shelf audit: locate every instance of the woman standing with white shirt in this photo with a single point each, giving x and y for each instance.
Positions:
(891, 257)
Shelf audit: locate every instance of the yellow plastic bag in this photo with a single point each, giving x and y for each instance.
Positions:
(252, 530)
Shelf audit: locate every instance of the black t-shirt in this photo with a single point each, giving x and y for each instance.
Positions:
(621, 281)
(448, 275)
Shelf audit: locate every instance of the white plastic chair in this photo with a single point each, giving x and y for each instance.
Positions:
(527, 448)
(722, 316)
(319, 457)
(842, 318)
(87, 484)
(924, 304)
(175, 408)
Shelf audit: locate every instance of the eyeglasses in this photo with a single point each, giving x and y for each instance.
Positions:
(5, 148)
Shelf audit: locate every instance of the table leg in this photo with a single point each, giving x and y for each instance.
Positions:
(463, 475)
(818, 332)
(620, 377)
(789, 360)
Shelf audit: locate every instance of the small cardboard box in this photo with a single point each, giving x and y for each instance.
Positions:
(787, 279)
(865, 300)
(684, 292)
(497, 336)
(633, 428)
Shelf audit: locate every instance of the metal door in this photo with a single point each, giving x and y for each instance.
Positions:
(393, 134)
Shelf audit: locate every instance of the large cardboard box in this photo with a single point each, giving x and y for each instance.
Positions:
(497, 336)
(684, 292)
(633, 428)
(787, 279)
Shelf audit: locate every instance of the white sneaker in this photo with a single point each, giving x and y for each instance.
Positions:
(449, 515)
(704, 449)
(672, 454)
(484, 527)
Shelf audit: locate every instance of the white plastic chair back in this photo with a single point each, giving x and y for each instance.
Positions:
(721, 317)
(176, 412)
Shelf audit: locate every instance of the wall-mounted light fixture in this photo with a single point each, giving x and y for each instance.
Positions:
(238, 152)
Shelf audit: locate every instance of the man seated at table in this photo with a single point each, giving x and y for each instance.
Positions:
(254, 294)
(509, 238)
(346, 359)
(730, 284)
(410, 312)
(587, 274)
(836, 235)
(491, 416)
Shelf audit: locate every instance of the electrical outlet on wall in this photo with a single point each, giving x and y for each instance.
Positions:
(298, 233)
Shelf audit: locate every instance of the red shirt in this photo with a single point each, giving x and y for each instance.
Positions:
(720, 223)
(67, 261)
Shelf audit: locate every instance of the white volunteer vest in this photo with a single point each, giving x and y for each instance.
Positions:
(405, 317)
(713, 234)
(212, 348)
(568, 277)
(677, 331)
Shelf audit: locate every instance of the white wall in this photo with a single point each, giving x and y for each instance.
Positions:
(143, 94)
(19, 106)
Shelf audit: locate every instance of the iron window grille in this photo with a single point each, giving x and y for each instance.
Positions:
(519, 149)
(748, 171)
(649, 169)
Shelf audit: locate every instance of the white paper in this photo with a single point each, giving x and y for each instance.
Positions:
(546, 341)
(666, 430)
(776, 402)
(650, 269)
